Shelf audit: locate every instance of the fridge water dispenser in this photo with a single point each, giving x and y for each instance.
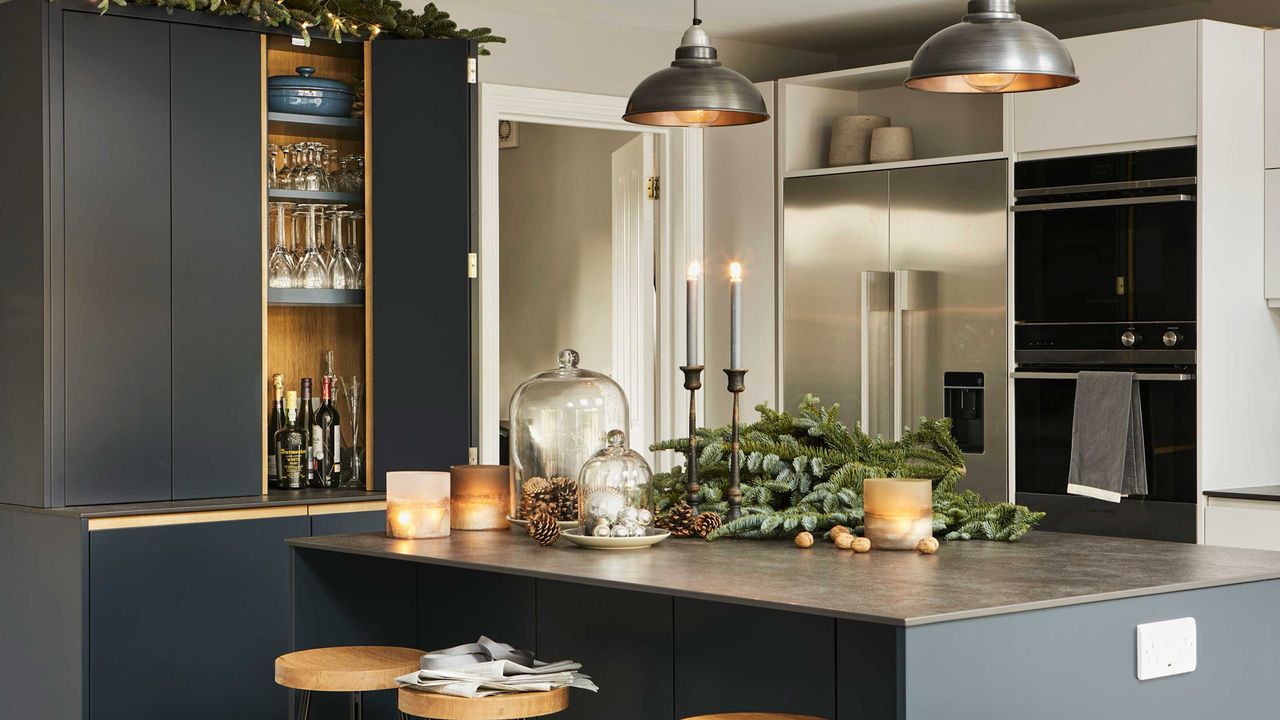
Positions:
(965, 406)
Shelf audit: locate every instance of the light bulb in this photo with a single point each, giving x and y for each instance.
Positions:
(990, 82)
(698, 118)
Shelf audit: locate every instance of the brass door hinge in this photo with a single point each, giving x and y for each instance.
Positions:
(1119, 285)
(473, 456)
(473, 71)
(473, 266)
(654, 187)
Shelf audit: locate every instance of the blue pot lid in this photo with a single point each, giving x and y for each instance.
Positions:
(304, 80)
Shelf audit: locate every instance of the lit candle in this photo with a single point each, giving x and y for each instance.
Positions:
(480, 496)
(897, 512)
(691, 323)
(417, 504)
(735, 316)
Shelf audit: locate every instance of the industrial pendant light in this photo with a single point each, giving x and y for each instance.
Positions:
(696, 91)
(991, 50)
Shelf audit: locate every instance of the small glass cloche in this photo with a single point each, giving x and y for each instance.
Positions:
(615, 491)
(558, 421)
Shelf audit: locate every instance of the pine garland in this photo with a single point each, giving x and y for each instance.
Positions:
(804, 473)
(360, 19)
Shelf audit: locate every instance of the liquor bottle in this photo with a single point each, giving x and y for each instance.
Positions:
(329, 470)
(307, 422)
(291, 447)
(275, 422)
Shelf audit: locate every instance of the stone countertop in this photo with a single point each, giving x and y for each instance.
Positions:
(963, 580)
(1256, 492)
(276, 498)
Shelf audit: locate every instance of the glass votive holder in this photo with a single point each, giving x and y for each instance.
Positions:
(481, 497)
(897, 512)
(417, 505)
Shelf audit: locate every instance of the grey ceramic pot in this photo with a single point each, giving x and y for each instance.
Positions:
(851, 139)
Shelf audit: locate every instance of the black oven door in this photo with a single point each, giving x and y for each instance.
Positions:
(1106, 260)
(1043, 410)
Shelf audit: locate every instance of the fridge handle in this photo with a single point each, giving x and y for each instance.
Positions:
(900, 282)
(875, 298)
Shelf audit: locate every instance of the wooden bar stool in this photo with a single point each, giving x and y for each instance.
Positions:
(754, 716)
(515, 706)
(355, 670)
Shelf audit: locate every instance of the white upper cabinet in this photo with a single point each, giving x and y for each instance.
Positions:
(1273, 97)
(1135, 85)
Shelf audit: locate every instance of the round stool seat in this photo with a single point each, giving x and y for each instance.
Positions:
(754, 716)
(495, 707)
(346, 669)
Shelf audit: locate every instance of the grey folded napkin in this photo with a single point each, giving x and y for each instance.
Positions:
(485, 667)
(1108, 460)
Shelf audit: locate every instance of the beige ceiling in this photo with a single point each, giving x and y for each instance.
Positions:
(861, 26)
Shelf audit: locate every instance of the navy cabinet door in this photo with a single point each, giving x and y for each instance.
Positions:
(185, 621)
(118, 363)
(420, 108)
(217, 262)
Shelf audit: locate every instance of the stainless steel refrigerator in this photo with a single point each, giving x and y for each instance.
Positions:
(895, 303)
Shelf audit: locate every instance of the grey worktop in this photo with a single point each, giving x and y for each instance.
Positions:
(963, 580)
(1256, 492)
(276, 498)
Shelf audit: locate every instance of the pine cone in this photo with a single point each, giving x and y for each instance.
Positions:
(679, 521)
(544, 529)
(557, 497)
(706, 523)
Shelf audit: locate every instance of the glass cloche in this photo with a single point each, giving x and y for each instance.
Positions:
(615, 491)
(558, 421)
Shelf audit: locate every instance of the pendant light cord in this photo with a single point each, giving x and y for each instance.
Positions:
(696, 20)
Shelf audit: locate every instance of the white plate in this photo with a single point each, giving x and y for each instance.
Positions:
(654, 537)
(518, 526)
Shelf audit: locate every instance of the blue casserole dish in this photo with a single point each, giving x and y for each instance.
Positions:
(309, 95)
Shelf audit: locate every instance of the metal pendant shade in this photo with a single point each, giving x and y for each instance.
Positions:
(992, 50)
(696, 91)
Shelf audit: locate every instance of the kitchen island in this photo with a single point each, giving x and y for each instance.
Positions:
(1042, 628)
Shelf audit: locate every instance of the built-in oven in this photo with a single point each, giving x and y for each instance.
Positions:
(1105, 279)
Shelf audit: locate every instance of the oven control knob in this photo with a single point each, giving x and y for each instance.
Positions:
(1171, 338)
(1128, 339)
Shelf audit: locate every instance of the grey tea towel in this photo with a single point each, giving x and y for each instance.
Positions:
(1108, 460)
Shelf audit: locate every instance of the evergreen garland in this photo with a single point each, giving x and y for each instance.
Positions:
(804, 473)
(360, 19)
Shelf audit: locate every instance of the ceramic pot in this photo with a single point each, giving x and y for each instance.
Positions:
(851, 139)
(308, 95)
(892, 144)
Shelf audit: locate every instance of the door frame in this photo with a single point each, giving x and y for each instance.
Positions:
(678, 236)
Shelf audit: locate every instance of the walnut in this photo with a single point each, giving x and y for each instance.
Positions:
(844, 540)
(928, 545)
(804, 540)
(860, 545)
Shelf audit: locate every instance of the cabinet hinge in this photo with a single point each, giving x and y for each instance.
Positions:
(1119, 284)
(473, 70)
(473, 456)
(654, 187)
(473, 266)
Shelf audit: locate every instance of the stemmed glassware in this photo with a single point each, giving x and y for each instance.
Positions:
(311, 272)
(313, 166)
(280, 265)
(351, 391)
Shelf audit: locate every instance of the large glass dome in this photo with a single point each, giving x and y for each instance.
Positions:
(559, 419)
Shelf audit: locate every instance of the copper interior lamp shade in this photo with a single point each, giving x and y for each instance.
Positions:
(991, 50)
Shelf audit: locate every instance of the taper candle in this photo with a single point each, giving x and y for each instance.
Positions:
(735, 315)
(691, 322)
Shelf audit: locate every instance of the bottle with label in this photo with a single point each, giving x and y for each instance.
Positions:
(329, 468)
(275, 423)
(307, 422)
(291, 447)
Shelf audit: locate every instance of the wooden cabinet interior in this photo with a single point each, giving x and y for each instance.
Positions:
(297, 337)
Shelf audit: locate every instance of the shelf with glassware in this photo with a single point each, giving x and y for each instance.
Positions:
(317, 334)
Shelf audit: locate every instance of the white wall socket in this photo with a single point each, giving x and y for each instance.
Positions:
(1166, 648)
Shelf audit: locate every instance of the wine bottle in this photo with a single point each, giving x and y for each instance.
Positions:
(275, 422)
(306, 422)
(291, 447)
(329, 470)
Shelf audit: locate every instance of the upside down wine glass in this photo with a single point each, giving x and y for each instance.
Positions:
(280, 266)
(312, 272)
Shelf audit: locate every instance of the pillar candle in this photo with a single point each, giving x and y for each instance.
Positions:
(480, 496)
(417, 504)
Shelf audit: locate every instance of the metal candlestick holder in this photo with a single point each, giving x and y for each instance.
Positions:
(692, 383)
(737, 383)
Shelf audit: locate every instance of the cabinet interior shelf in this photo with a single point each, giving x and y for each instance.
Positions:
(316, 196)
(304, 296)
(299, 124)
(921, 162)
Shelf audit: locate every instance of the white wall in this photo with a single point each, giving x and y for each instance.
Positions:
(556, 224)
(580, 56)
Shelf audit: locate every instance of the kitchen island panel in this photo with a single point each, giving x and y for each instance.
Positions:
(458, 606)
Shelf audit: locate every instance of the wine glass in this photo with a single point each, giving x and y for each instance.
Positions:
(351, 391)
(355, 248)
(280, 265)
(339, 264)
(311, 272)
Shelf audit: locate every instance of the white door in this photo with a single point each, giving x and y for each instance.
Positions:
(634, 295)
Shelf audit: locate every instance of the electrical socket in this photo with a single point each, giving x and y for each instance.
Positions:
(1166, 648)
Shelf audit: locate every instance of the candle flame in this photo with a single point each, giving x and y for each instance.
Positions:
(735, 271)
(695, 269)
